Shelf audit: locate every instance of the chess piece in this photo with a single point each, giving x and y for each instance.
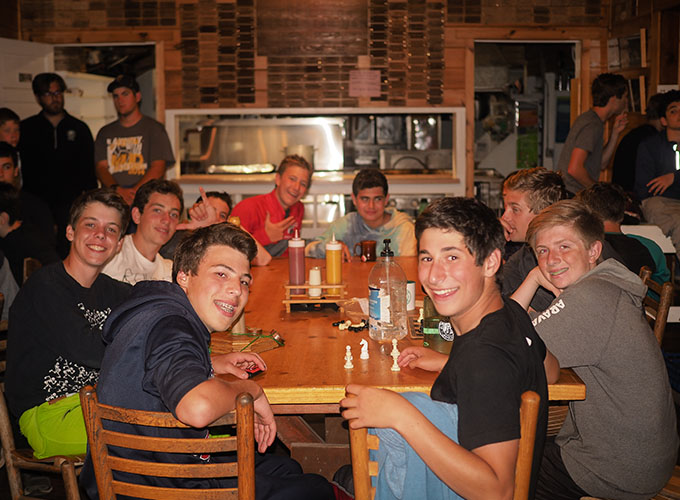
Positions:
(395, 351)
(364, 349)
(348, 358)
(395, 365)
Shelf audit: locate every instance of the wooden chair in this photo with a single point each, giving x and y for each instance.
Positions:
(30, 266)
(105, 464)
(657, 310)
(17, 460)
(363, 469)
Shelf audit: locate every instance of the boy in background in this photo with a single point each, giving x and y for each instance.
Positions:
(372, 221)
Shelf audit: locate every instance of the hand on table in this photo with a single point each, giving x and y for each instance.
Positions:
(367, 406)
(658, 185)
(265, 425)
(422, 357)
(276, 230)
(236, 363)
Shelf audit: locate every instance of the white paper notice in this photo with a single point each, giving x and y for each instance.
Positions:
(364, 83)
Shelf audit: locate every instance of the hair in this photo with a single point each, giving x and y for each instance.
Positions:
(369, 178)
(157, 186)
(655, 105)
(222, 195)
(295, 161)
(105, 196)
(542, 187)
(7, 115)
(607, 200)
(669, 98)
(571, 213)
(192, 248)
(606, 86)
(9, 151)
(9, 202)
(41, 83)
(478, 224)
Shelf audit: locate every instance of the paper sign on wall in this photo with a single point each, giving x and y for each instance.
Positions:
(364, 83)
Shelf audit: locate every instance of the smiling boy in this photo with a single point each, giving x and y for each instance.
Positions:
(525, 193)
(158, 359)
(621, 441)
(156, 209)
(55, 344)
(372, 221)
(495, 357)
(273, 218)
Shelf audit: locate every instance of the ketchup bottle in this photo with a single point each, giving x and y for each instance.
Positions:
(296, 263)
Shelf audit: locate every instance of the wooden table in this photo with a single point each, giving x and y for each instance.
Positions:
(307, 374)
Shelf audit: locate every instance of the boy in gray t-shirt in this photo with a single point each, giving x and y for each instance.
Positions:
(135, 148)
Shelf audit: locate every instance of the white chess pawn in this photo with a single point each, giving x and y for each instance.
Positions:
(395, 365)
(364, 349)
(394, 348)
(348, 357)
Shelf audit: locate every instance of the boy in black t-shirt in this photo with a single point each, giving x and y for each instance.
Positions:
(495, 357)
(55, 344)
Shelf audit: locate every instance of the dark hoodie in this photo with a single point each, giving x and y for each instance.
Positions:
(157, 351)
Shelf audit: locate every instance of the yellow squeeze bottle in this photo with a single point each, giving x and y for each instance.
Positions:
(333, 265)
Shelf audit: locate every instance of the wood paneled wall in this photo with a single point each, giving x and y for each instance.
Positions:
(279, 53)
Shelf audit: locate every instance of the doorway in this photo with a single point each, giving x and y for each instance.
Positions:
(521, 97)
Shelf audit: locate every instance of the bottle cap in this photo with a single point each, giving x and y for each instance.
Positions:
(334, 244)
(296, 241)
(387, 251)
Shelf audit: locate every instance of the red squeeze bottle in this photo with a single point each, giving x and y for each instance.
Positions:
(296, 263)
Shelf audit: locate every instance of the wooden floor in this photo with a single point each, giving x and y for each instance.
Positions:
(671, 343)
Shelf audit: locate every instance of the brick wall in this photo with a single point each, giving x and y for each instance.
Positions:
(230, 53)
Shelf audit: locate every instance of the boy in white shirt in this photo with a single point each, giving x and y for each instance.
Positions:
(156, 210)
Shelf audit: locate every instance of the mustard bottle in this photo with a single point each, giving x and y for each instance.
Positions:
(333, 265)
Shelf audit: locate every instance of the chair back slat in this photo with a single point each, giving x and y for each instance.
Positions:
(158, 493)
(149, 418)
(358, 442)
(168, 445)
(656, 311)
(528, 416)
(173, 470)
(105, 464)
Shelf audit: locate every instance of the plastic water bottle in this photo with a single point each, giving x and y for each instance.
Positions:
(387, 298)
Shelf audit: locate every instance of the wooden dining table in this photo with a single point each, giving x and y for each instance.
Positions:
(307, 374)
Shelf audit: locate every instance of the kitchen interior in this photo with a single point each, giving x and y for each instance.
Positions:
(417, 150)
